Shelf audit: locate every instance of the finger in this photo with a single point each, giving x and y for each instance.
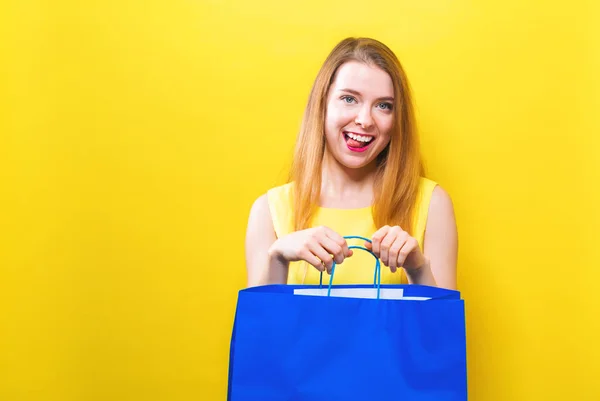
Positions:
(341, 241)
(320, 252)
(394, 252)
(409, 246)
(333, 248)
(315, 246)
(311, 259)
(377, 238)
(387, 242)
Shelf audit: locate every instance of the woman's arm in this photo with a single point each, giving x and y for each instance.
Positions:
(436, 265)
(440, 245)
(268, 257)
(260, 236)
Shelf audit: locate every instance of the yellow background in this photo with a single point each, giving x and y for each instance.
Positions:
(135, 136)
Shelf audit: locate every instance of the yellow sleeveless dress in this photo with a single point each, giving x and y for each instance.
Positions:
(359, 268)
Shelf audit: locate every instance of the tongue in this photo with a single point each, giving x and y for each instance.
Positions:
(355, 144)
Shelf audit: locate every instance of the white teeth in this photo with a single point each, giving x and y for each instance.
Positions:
(360, 138)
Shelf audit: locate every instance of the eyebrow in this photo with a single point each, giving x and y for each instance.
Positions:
(389, 98)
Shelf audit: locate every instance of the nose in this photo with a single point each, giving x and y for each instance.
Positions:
(364, 118)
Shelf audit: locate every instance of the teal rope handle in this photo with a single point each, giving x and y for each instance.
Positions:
(357, 247)
(376, 276)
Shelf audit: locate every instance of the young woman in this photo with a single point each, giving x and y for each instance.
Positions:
(356, 171)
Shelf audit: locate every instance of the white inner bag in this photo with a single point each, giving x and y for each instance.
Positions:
(368, 293)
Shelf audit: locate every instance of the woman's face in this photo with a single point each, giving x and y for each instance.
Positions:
(359, 114)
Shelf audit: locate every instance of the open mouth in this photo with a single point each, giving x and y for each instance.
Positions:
(358, 143)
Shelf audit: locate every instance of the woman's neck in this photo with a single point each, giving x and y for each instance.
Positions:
(346, 188)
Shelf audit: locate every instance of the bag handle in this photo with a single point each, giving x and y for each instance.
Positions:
(376, 276)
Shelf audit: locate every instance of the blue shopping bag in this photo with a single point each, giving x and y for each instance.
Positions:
(348, 343)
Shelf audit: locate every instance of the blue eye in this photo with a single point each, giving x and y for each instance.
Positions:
(348, 99)
(386, 106)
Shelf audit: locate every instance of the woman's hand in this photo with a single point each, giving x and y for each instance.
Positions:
(318, 246)
(396, 248)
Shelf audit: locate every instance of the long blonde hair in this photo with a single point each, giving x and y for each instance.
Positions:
(399, 165)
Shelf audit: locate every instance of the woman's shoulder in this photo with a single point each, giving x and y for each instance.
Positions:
(279, 201)
(280, 196)
(432, 194)
(274, 198)
(433, 189)
(432, 197)
(279, 191)
(427, 184)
